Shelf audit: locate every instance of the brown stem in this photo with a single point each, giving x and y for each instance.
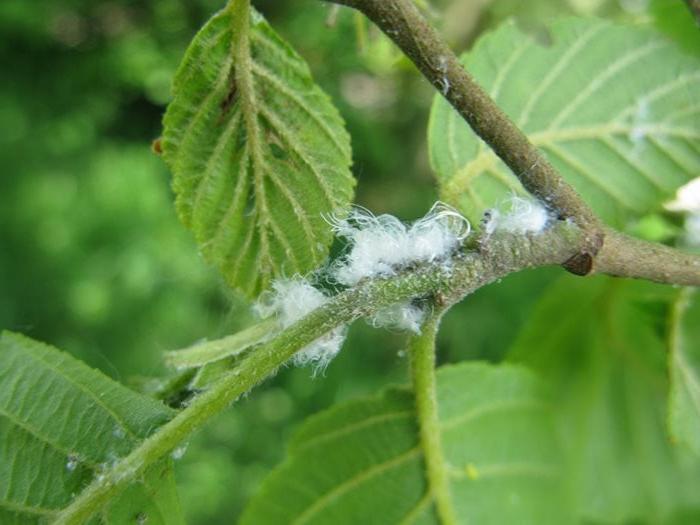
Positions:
(694, 6)
(625, 256)
(404, 24)
(602, 250)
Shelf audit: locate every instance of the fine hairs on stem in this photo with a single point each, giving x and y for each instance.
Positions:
(291, 300)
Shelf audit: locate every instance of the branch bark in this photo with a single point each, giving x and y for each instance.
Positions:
(404, 24)
(469, 271)
(694, 6)
(602, 250)
(625, 256)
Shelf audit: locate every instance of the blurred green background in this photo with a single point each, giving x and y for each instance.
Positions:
(92, 256)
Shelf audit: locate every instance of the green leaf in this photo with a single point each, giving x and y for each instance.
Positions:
(232, 345)
(601, 343)
(257, 150)
(676, 20)
(153, 499)
(361, 462)
(684, 399)
(61, 424)
(614, 108)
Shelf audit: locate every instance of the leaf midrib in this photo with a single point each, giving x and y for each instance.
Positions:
(32, 431)
(26, 509)
(96, 399)
(348, 485)
(552, 139)
(240, 43)
(354, 427)
(483, 162)
(602, 77)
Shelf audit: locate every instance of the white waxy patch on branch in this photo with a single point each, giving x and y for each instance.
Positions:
(291, 300)
(400, 316)
(380, 246)
(525, 215)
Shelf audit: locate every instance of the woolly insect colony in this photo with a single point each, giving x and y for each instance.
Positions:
(380, 246)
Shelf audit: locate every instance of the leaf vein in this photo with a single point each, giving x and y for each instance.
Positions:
(297, 148)
(563, 61)
(582, 170)
(634, 164)
(417, 509)
(298, 211)
(78, 386)
(667, 149)
(349, 429)
(260, 38)
(220, 144)
(281, 88)
(491, 408)
(27, 509)
(239, 192)
(602, 77)
(656, 93)
(350, 484)
(216, 91)
(35, 433)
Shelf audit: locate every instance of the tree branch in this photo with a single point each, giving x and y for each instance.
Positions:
(501, 254)
(619, 254)
(625, 256)
(468, 271)
(694, 6)
(404, 24)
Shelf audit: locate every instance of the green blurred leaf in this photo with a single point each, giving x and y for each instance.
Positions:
(153, 499)
(257, 150)
(601, 342)
(684, 399)
(61, 424)
(676, 20)
(614, 108)
(361, 462)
